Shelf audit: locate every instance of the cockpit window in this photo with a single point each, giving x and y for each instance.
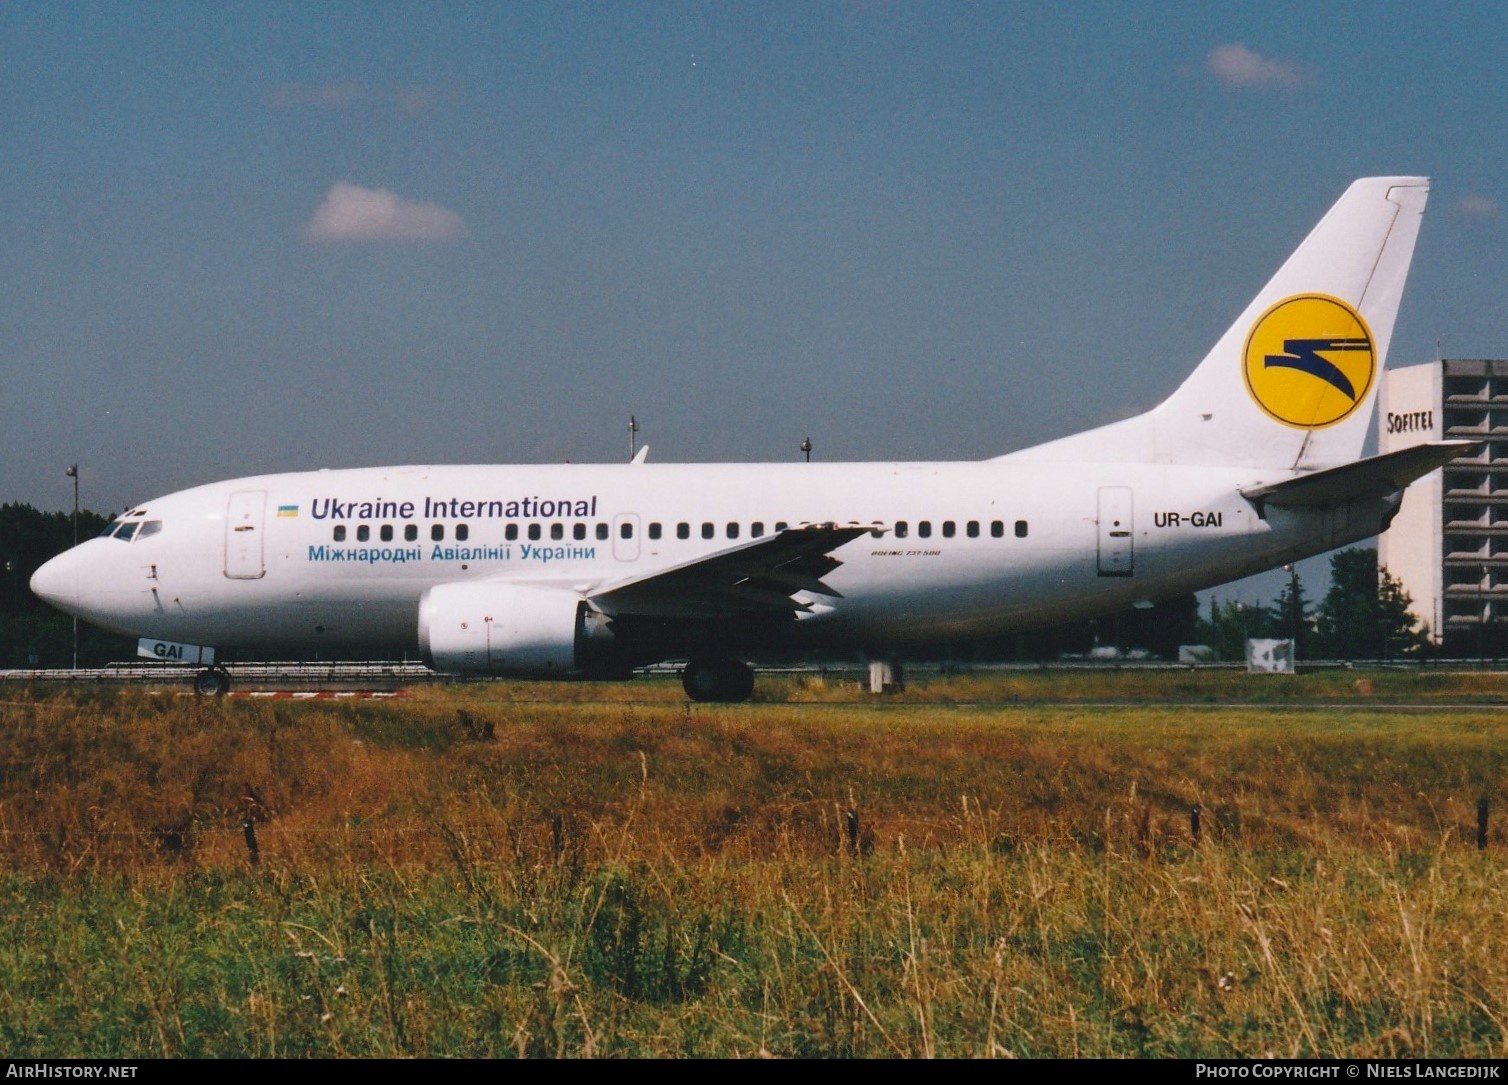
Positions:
(132, 530)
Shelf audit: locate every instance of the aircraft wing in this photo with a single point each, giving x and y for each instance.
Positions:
(759, 577)
(1376, 476)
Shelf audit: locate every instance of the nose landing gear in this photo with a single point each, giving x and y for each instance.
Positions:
(212, 682)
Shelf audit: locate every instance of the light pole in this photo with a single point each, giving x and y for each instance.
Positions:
(1293, 607)
(73, 473)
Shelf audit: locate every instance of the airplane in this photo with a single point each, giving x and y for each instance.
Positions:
(592, 570)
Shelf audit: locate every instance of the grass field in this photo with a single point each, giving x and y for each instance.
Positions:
(993, 866)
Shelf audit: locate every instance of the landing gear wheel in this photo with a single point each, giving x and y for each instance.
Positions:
(212, 682)
(718, 680)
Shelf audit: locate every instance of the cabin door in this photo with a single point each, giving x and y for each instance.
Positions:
(243, 535)
(1116, 539)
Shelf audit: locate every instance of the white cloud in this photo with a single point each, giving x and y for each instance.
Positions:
(353, 213)
(1478, 206)
(1237, 66)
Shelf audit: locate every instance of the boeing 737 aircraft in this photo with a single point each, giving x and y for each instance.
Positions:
(1256, 460)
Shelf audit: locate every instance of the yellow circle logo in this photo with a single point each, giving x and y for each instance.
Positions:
(1309, 361)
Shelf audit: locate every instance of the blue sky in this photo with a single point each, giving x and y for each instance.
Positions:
(259, 237)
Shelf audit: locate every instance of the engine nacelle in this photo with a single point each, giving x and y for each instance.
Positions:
(506, 628)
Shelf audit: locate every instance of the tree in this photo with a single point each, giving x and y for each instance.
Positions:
(1365, 614)
(1291, 617)
(1230, 625)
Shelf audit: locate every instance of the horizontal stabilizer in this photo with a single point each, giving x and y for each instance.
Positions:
(1375, 477)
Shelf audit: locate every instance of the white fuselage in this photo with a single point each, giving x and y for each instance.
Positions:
(342, 557)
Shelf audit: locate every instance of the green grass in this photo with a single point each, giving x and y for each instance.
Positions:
(506, 869)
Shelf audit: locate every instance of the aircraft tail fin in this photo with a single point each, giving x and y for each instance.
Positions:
(1291, 384)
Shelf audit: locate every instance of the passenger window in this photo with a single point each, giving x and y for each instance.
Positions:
(683, 530)
(924, 529)
(732, 531)
(708, 531)
(510, 532)
(462, 533)
(780, 525)
(534, 532)
(385, 533)
(410, 532)
(363, 533)
(972, 530)
(948, 529)
(654, 531)
(437, 532)
(602, 531)
(578, 532)
(997, 529)
(626, 529)
(902, 529)
(756, 529)
(1020, 529)
(340, 533)
(557, 531)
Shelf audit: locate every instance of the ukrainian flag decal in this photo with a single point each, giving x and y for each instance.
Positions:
(1309, 361)
(287, 510)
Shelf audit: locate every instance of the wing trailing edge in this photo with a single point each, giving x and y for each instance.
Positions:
(759, 577)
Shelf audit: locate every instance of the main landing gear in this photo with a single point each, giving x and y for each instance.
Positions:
(212, 682)
(718, 680)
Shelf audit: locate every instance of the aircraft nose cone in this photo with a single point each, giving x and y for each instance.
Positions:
(56, 581)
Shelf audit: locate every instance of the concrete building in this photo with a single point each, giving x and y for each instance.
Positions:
(1449, 542)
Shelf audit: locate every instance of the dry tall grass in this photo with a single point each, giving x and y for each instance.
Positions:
(500, 870)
